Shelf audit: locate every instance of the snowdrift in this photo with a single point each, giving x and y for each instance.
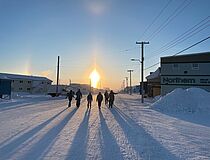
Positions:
(184, 100)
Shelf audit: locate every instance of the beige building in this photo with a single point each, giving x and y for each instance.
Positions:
(153, 83)
(28, 84)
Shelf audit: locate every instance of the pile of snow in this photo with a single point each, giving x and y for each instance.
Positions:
(184, 100)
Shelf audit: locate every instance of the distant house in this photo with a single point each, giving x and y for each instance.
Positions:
(28, 84)
(184, 71)
(153, 83)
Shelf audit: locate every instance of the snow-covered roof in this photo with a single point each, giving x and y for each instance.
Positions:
(155, 74)
(18, 76)
(4, 77)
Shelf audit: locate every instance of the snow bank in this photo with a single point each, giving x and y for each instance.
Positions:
(184, 100)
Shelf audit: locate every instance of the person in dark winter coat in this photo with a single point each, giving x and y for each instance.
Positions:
(70, 95)
(99, 99)
(89, 100)
(111, 98)
(106, 96)
(78, 97)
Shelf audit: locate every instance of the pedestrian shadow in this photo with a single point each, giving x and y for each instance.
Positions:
(146, 146)
(24, 103)
(13, 136)
(17, 105)
(6, 151)
(79, 144)
(108, 142)
(39, 150)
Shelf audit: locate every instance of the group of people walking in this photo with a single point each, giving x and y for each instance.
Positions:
(70, 96)
(109, 98)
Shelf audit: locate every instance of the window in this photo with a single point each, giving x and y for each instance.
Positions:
(195, 66)
(42, 82)
(175, 66)
(21, 81)
(29, 82)
(20, 89)
(28, 89)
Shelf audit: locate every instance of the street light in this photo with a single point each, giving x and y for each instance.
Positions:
(135, 59)
(138, 60)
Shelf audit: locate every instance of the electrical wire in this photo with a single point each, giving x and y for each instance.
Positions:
(176, 12)
(180, 51)
(155, 19)
(183, 35)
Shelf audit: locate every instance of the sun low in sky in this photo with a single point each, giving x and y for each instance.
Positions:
(95, 78)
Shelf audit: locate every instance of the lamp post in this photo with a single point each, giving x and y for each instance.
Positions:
(138, 60)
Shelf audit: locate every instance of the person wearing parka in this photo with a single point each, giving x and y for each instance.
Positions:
(99, 99)
(89, 100)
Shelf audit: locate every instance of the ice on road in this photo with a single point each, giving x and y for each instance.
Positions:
(46, 129)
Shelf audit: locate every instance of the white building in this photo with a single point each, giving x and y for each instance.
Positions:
(28, 84)
(184, 71)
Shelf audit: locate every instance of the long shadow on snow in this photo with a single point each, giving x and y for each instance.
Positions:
(79, 144)
(38, 151)
(143, 143)
(13, 136)
(24, 103)
(8, 150)
(109, 144)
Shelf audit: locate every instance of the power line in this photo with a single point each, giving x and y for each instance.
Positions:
(128, 49)
(177, 11)
(184, 34)
(151, 66)
(180, 51)
(185, 39)
(192, 46)
(181, 38)
(155, 19)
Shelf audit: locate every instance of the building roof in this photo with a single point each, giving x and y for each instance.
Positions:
(4, 77)
(187, 58)
(154, 75)
(18, 76)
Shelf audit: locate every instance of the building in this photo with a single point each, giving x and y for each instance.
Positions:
(5, 87)
(28, 84)
(153, 83)
(184, 71)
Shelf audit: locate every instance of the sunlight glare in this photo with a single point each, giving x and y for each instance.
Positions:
(94, 77)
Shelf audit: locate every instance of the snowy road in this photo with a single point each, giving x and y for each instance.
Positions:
(46, 129)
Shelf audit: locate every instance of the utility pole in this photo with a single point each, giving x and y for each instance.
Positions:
(130, 70)
(90, 86)
(123, 85)
(58, 65)
(126, 78)
(142, 69)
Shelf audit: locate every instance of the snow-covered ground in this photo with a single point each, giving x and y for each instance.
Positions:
(44, 128)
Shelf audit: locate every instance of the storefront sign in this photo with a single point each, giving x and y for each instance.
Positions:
(185, 80)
